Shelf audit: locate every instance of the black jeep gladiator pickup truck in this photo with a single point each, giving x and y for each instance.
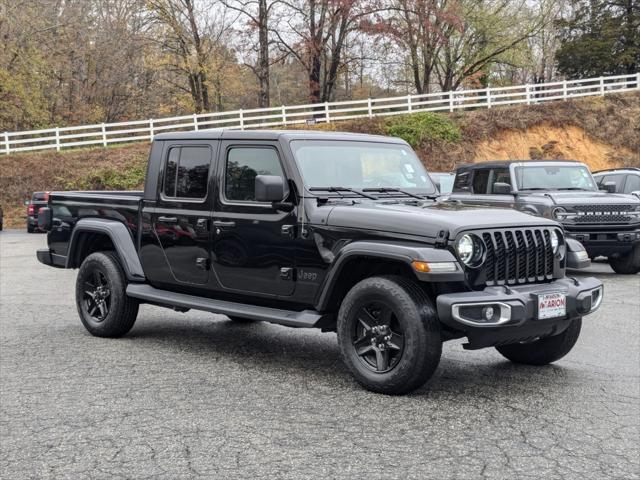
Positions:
(335, 231)
(605, 223)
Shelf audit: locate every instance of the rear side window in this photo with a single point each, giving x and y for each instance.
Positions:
(187, 172)
(480, 181)
(243, 165)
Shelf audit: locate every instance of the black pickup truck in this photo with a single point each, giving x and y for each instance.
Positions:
(607, 224)
(341, 232)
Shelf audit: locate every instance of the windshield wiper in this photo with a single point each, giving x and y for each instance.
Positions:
(391, 189)
(536, 188)
(575, 188)
(342, 189)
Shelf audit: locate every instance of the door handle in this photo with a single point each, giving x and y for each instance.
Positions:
(223, 224)
(168, 219)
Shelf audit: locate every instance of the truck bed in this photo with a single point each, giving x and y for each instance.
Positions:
(70, 206)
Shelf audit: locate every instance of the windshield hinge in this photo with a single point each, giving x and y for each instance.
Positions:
(442, 238)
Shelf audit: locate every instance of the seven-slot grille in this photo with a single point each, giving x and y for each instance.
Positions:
(518, 256)
(602, 213)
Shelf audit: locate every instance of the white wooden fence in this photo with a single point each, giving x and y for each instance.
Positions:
(108, 133)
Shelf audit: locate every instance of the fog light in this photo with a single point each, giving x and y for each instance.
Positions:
(487, 313)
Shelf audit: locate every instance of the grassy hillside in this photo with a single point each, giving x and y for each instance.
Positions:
(600, 131)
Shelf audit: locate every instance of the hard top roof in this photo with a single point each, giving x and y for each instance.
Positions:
(275, 135)
(507, 163)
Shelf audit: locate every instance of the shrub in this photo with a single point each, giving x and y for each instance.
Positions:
(419, 128)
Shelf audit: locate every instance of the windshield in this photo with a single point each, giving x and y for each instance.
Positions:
(360, 165)
(554, 177)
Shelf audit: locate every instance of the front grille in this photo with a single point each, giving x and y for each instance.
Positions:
(617, 213)
(518, 256)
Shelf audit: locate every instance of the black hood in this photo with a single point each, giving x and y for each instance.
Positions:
(428, 220)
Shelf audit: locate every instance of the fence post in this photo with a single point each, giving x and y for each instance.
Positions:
(104, 135)
(370, 110)
(451, 100)
(602, 86)
(241, 120)
(527, 88)
(326, 112)
(637, 81)
(58, 139)
(195, 122)
(564, 90)
(488, 97)
(284, 115)
(409, 103)
(6, 143)
(151, 129)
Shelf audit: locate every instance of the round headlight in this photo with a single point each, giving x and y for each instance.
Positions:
(555, 241)
(470, 250)
(557, 211)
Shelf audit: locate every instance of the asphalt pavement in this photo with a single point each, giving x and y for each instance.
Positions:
(187, 395)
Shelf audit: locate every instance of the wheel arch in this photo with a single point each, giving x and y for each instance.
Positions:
(360, 260)
(92, 235)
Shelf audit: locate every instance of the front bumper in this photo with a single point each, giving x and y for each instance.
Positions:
(604, 241)
(583, 296)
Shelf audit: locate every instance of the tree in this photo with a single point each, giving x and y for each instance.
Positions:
(600, 38)
(490, 30)
(259, 14)
(315, 32)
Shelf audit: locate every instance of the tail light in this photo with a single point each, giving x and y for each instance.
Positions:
(31, 209)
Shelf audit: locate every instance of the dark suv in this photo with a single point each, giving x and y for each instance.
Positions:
(340, 232)
(606, 224)
(619, 180)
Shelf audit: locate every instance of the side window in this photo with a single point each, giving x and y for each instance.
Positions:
(617, 179)
(500, 175)
(243, 165)
(462, 182)
(480, 181)
(633, 184)
(186, 173)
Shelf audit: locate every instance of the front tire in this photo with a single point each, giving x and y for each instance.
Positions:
(627, 264)
(545, 350)
(103, 305)
(389, 335)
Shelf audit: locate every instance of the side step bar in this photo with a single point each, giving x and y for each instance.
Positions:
(304, 319)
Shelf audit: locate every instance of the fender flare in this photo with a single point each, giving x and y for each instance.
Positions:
(121, 239)
(396, 251)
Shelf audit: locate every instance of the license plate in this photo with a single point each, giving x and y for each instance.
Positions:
(552, 305)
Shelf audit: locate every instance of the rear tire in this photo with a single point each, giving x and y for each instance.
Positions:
(389, 335)
(546, 350)
(628, 264)
(103, 305)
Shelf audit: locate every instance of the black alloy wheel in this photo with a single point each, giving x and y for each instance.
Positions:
(378, 337)
(96, 299)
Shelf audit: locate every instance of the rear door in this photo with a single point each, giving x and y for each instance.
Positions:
(181, 217)
(253, 246)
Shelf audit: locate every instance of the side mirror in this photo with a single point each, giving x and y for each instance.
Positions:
(500, 188)
(609, 187)
(269, 188)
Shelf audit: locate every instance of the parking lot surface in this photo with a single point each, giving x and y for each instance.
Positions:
(189, 395)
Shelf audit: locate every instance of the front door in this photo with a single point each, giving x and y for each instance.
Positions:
(181, 217)
(253, 244)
